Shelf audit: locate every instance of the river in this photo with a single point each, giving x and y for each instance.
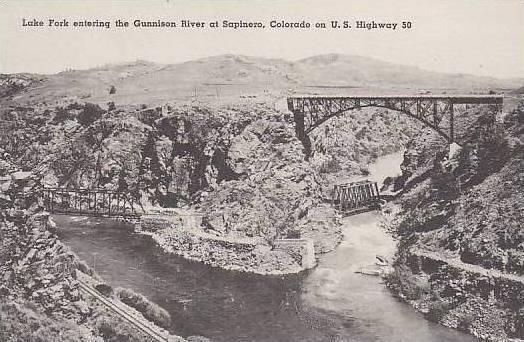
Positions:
(328, 303)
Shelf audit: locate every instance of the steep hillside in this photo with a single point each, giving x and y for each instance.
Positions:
(461, 249)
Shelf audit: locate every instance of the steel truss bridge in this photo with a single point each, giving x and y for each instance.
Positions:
(88, 202)
(435, 111)
(355, 197)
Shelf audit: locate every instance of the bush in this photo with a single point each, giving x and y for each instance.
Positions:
(466, 321)
(104, 289)
(113, 331)
(330, 166)
(61, 115)
(148, 309)
(413, 287)
(437, 310)
(90, 114)
(83, 267)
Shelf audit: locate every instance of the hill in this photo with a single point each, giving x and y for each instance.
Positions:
(228, 76)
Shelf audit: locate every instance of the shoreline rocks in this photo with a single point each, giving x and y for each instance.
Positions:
(243, 255)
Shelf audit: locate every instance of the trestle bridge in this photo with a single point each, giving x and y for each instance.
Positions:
(91, 202)
(355, 197)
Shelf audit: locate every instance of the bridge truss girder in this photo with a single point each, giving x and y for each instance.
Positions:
(354, 196)
(96, 202)
(436, 112)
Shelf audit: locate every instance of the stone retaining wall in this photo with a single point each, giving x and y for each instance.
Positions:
(302, 250)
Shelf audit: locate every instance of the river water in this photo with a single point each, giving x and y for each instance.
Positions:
(328, 303)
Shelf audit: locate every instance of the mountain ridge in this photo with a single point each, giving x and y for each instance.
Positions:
(234, 75)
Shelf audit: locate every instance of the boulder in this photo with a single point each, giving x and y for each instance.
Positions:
(21, 176)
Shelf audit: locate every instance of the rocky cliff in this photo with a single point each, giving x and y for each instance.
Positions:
(461, 248)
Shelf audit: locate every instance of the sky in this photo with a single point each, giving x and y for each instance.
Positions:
(481, 37)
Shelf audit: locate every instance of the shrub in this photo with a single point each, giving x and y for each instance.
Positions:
(148, 309)
(82, 266)
(104, 289)
(61, 115)
(111, 331)
(437, 310)
(330, 166)
(364, 171)
(413, 287)
(465, 322)
(90, 114)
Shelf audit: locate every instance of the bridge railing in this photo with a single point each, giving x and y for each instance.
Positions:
(355, 196)
(92, 202)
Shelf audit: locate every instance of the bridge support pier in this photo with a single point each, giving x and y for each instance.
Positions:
(451, 124)
(298, 116)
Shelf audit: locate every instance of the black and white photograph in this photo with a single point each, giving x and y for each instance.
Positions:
(261, 171)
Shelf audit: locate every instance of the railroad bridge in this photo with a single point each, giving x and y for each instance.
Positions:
(352, 198)
(435, 111)
(91, 202)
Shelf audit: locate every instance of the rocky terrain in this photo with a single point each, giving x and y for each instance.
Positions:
(239, 165)
(40, 294)
(461, 252)
(219, 143)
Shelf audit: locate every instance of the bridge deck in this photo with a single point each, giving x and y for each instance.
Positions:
(434, 111)
(458, 99)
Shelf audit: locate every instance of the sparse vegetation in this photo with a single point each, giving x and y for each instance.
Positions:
(149, 310)
(411, 286)
(22, 322)
(438, 308)
(90, 114)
